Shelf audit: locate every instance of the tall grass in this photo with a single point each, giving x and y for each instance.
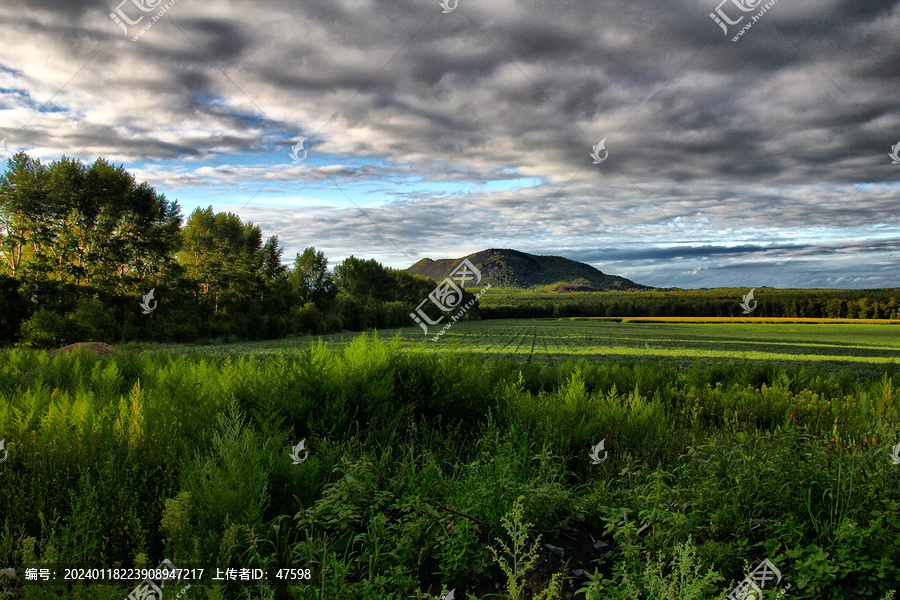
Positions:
(416, 459)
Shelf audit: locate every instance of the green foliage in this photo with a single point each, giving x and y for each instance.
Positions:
(48, 329)
(91, 320)
(309, 319)
(12, 308)
(416, 459)
(562, 300)
(312, 279)
(363, 279)
(681, 577)
(69, 222)
(226, 484)
(517, 557)
(176, 525)
(94, 321)
(238, 277)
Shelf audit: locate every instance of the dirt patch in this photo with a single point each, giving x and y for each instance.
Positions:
(98, 349)
(574, 553)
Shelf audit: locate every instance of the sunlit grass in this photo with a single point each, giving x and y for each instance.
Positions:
(863, 347)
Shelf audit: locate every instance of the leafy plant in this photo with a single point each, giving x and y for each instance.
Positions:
(680, 578)
(517, 557)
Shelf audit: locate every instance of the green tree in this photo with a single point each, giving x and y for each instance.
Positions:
(364, 279)
(223, 255)
(277, 295)
(410, 288)
(312, 279)
(240, 280)
(94, 225)
(24, 224)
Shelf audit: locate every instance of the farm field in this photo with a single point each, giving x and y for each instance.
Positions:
(862, 348)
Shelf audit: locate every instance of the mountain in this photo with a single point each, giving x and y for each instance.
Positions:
(511, 268)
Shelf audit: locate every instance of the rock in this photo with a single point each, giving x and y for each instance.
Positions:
(559, 552)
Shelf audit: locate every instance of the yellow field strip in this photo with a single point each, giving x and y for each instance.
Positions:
(738, 320)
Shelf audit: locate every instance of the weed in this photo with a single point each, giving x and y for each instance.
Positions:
(517, 557)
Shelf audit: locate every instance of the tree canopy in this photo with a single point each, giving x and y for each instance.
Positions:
(88, 252)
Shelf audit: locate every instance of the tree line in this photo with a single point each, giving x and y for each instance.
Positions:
(83, 246)
(720, 302)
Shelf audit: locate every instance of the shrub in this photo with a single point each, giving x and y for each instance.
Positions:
(48, 329)
(94, 321)
(681, 577)
(309, 320)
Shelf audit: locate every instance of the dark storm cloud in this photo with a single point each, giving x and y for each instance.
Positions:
(220, 39)
(719, 152)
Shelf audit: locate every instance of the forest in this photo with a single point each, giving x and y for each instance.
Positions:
(82, 246)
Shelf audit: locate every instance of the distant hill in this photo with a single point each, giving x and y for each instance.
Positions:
(511, 268)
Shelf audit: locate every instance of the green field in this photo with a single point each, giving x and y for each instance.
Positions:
(665, 461)
(864, 349)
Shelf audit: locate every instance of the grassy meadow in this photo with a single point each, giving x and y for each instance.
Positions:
(860, 348)
(465, 464)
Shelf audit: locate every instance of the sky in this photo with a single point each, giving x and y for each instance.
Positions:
(679, 143)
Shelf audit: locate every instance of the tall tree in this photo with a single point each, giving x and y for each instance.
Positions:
(312, 279)
(364, 279)
(228, 260)
(69, 223)
(24, 222)
(270, 260)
